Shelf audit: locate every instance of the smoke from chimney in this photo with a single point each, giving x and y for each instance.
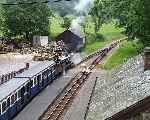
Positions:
(82, 8)
(76, 24)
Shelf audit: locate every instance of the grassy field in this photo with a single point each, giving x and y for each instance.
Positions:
(126, 50)
(56, 28)
(109, 32)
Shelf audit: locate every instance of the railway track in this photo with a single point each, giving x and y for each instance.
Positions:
(55, 111)
(63, 102)
(99, 50)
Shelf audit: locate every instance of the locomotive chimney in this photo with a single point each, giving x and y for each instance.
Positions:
(147, 58)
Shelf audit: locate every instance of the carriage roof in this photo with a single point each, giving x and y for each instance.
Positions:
(36, 69)
(12, 85)
(9, 87)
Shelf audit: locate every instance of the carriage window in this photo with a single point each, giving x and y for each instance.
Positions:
(44, 74)
(8, 102)
(12, 99)
(35, 81)
(31, 83)
(49, 72)
(0, 109)
(23, 90)
(3, 106)
(53, 69)
(39, 78)
(19, 93)
(28, 87)
(15, 96)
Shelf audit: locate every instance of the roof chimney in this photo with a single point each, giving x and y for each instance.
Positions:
(147, 58)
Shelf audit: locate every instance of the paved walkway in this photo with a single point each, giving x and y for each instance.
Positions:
(40, 103)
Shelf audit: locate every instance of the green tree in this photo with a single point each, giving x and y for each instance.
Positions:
(26, 20)
(99, 13)
(134, 16)
(66, 22)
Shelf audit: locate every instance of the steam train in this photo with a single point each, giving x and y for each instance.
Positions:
(19, 91)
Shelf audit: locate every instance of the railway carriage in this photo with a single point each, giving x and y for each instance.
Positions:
(10, 97)
(19, 91)
(39, 76)
(16, 93)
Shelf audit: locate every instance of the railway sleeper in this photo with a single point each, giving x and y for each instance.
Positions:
(64, 97)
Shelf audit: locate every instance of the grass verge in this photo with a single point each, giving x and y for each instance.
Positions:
(109, 33)
(127, 50)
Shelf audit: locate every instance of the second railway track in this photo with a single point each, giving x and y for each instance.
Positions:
(64, 100)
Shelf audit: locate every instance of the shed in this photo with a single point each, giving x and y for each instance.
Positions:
(40, 41)
(75, 40)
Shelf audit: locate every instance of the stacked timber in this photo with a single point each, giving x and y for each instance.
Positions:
(51, 52)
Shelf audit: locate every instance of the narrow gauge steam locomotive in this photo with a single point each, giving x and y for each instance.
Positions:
(19, 91)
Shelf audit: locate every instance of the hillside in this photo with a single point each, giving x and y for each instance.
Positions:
(63, 7)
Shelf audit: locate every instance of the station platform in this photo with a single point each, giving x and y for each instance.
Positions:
(40, 103)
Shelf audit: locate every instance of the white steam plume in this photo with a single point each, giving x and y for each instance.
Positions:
(76, 22)
(83, 6)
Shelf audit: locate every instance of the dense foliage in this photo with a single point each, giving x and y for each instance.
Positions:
(99, 13)
(66, 22)
(28, 20)
(25, 20)
(134, 16)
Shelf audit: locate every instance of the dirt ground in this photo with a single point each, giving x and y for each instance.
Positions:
(14, 61)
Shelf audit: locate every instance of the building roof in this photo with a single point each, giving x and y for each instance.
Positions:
(13, 84)
(71, 39)
(9, 87)
(77, 32)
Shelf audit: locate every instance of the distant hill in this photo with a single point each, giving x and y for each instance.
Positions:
(64, 7)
